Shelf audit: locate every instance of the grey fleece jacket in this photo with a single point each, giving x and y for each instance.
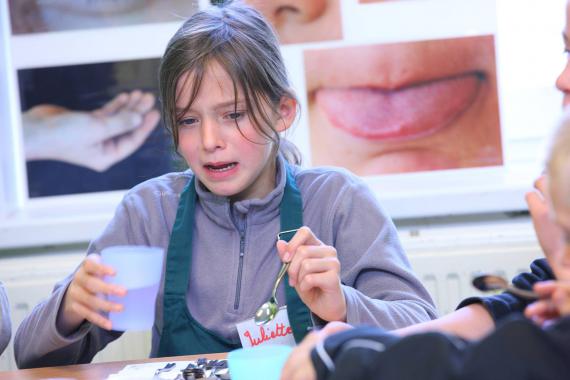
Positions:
(5, 325)
(338, 207)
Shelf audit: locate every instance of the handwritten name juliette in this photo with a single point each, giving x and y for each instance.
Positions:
(265, 336)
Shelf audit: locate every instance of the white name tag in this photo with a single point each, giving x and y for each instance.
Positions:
(278, 331)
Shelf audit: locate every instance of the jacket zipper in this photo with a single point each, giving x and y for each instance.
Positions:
(240, 266)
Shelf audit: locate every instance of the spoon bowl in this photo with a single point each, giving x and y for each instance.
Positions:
(267, 312)
(490, 282)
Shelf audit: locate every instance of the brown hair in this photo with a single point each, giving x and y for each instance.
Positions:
(240, 40)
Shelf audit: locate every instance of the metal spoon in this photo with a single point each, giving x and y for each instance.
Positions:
(489, 282)
(268, 310)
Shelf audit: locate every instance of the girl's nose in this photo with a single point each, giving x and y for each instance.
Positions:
(211, 137)
(563, 83)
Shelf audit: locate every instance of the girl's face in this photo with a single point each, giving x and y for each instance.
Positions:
(563, 81)
(229, 162)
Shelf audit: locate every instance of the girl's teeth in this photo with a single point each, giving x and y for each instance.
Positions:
(222, 168)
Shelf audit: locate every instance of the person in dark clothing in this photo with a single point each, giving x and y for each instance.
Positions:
(516, 348)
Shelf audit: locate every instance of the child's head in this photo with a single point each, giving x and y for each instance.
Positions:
(236, 38)
(558, 167)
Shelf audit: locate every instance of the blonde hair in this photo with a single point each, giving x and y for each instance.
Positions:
(558, 161)
(242, 42)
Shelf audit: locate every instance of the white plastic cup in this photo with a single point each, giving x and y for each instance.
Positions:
(138, 269)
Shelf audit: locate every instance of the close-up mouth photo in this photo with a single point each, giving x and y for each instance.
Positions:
(405, 106)
(405, 113)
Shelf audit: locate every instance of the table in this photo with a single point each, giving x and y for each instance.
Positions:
(91, 371)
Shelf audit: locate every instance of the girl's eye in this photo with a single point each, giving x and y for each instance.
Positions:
(235, 115)
(187, 121)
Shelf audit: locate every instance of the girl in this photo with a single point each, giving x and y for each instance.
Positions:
(225, 98)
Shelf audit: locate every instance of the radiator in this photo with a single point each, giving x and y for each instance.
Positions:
(445, 258)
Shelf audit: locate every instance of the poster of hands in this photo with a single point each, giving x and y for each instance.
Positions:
(386, 87)
(95, 126)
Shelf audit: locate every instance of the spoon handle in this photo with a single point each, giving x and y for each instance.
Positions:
(282, 272)
(526, 294)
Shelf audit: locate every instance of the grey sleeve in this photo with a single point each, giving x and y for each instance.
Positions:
(38, 343)
(5, 324)
(378, 283)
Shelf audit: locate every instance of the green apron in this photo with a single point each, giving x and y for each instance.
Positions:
(181, 333)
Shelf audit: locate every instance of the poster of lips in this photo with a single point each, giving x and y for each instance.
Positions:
(405, 107)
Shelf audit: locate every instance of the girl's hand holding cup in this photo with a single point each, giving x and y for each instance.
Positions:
(82, 300)
(123, 281)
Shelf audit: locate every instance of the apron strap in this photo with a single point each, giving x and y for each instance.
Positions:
(292, 218)
(176, 280)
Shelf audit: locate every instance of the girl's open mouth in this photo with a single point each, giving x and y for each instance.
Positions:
(220, 167)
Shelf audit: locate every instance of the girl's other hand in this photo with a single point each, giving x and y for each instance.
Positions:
(315, 274)
(83, 300)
